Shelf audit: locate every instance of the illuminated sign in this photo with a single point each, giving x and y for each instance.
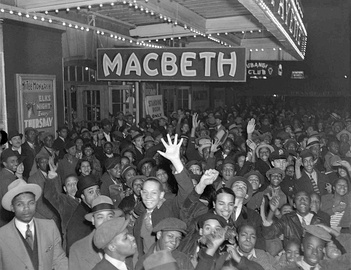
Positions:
(175, 64)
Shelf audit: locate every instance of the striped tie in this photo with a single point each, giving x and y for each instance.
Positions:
(314, 185)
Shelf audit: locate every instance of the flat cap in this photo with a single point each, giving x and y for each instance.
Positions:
(210, 215)
(273, 171)
(257, 173)
(130, 181)
(69, 144)
(112, 162)
(108, 230)
(7, 153)
(170, 224)
(317, 231)
(279, 154)
(146, 160)
(306, 153)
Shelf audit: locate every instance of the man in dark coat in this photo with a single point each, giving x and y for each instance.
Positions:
(59, 143)
(30, 150)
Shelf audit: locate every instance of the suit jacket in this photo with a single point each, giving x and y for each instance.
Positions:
(30, 154)
(6, 178)
(44, 208)
(304, 183)
(83, 254)
(13, 253)
(104, 265)
(59, 145)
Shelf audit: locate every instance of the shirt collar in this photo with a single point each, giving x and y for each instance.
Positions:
(22, 227)
(118, 264)
(251, 254)
(305, 266)
(307, 218)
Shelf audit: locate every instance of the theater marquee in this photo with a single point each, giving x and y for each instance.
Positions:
(172, 64)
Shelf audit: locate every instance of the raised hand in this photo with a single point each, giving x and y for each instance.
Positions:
(273, 201)
(233, 252)
(53, 167)
(209, 177)
(195, 122)
(215, 146)
(251, 126)
(173, 152)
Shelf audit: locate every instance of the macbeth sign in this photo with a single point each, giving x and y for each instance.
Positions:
(36, 97)
(176, 64)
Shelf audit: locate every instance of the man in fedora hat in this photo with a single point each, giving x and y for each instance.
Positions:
(78, 227)
(83, 253)
(113, 238)
(27, 242)
(10, 165)
(169, 233)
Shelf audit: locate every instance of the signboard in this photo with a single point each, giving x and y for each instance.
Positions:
(172, 64)
(264, 69)
(154, 106)
(36, 99)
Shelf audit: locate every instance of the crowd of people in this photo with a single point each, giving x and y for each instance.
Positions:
(243, 187)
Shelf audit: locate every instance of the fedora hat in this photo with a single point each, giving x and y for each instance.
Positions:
(130, 181)
(86, 182)
(249, 189)
(344, 131)
(102, 203)
(17, 187)
(263, 145)
(14, 134)
(221, 136)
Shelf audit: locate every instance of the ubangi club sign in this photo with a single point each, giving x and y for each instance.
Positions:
(172, 64)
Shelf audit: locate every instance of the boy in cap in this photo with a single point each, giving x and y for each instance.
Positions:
(169, 233)
(78, 227)
(83, 253)
(276, 176)
(113, 238)
(27, 242)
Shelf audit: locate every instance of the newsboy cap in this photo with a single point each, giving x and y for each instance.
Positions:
(170, 224)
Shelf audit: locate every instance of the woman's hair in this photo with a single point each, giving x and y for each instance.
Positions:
(171, 182)
(88, 145)
(209, 195)
(79, 163)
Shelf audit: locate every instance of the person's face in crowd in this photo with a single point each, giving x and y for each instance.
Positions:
(124, 162)
(315, 203)
(129, 174)
(334, 148)
(137, 186)
(185, 128)
(344, 138)
(288, 129)
(278, 143)
(48, 141)
(290, 160)
(275, 179)
(241, 161)
(72, 150)
(342, 172)
(280, 164)
(158, 139)
(108, 148)
(308, 164)
(30, 136)
(316, 150)
(148, 145)
(79, 144)
(210, 227)
(254, 181)
(124, 244)
(139, 142)
(292, 253)
(240, 189)
(203, 132)
(286, 209)
(88, 151)
(129, 155)
(246, 239)
(313, 249)
(168, 240)
(86, 135)
(107, 128)
(228, 146)
(90, 193)
(151, 194)
(224, 205)
(195, 169)
(265, 122)
(162, 175)
(162, 122)
(185, 142)
(116, 171)
(309, 131)
(101, 217)
(70, 186)
(85, 168)
(219, 163)
(11, 163)
(170, 129)
(206, 152)
(263, 153)
(290, 171)
(228, 171)
(341, 187)
(120, 116)
(24, 205)
(337, 128)
(291, 147)
(146, 169)
(63, 133)
(43, 164)
(320, 125)
(302, 203)
(331, 251)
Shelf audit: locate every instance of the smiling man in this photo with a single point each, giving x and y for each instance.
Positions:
(169, 233)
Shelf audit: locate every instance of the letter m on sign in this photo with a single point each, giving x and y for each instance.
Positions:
(111, 66)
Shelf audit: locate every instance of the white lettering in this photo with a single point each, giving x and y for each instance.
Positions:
(108, 65)
(186, 63)
(231, 61)
(207, 56)
(169, 61)
(133, 65)
(148, 71)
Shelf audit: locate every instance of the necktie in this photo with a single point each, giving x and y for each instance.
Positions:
(303, 223)
(314, 185)
(148, 221)
(29, 237)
